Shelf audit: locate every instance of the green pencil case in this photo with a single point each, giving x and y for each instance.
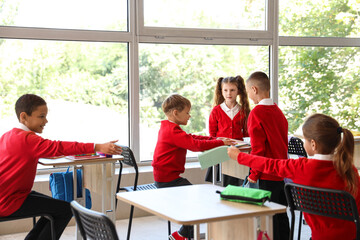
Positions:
(245, 195)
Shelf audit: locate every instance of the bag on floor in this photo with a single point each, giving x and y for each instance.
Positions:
(61, 187)
(245, 195)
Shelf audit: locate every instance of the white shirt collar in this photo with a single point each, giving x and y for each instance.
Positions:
(172, 122)
(266, 101)
(326, 157)
(23, 127)
(230, 112)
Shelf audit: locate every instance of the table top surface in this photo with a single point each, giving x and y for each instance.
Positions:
(63, 161)
(195, 204)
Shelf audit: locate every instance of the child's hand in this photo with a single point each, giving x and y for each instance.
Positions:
(228, 141)
(233, 152)
(108, 148)
(250, 180)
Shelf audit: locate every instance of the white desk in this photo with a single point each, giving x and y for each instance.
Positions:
(195, 204)
(234, 169)
(77, 164)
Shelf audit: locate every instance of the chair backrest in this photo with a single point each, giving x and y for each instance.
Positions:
(321, 201)
(92, 224)
(129, 158)
(296, 146)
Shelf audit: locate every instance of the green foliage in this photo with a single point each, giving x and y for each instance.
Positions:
(319, 79)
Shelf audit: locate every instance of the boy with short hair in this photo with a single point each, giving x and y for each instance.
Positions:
(268, 131)
(170, 151)
(20, 151)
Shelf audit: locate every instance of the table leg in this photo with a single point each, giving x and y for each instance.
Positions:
(196, 231)
(77, 231)
(103, 188)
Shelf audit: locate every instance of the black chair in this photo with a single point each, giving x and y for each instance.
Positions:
(296, 146)
(92, 224)
(33, 216)
(129, 160)
(323, 202)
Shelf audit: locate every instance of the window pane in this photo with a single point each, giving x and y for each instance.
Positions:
(320, 80)
(85, 85)
(226, 14)
(318, 18)
(68, 14)
(191, 71)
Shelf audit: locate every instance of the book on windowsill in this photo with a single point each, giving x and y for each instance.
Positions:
(85, 156)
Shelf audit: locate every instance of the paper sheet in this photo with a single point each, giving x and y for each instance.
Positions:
(213, 156)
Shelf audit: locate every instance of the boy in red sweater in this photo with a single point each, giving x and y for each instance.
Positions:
(268, 131)
(20, 150)
(170, 151)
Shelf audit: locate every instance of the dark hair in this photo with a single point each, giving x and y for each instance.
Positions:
(244, 101)
(28, 103)
(326, 132)
(175, 101)
(261, 80)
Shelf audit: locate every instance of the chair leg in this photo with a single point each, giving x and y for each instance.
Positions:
(300, 223)
(130, 221)
(169, 227)
(34, 221)
(292, 225)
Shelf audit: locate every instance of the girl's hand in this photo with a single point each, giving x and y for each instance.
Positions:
(108, 148)
(233, 152)
(250, 180)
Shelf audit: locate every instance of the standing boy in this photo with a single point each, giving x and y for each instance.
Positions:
(170, 151)
(268, 131)
(20, 150)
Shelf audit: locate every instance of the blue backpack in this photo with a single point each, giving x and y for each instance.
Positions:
(61, 186)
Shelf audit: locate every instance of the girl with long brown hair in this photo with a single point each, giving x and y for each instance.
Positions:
(330, 165)
(228, 118)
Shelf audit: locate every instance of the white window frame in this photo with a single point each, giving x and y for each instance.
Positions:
(138, 33)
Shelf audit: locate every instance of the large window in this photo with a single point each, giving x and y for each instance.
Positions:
(85, 85)
(319, 18)
(192, 71)
(69, 14)
(213, 14)
(105, 67)
(320, 79)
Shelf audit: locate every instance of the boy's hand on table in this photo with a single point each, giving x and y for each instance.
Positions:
(233, 152)
(108, 148)
(228, 141)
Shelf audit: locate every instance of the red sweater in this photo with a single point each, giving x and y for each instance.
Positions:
(268, 131)
(220, 124)
(171, 147)
(310, 172)
(20, 151)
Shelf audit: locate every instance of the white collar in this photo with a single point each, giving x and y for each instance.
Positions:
(326, 157)
(172, 122)
(230, 112)
(266, 101)
(23, 127)
(226, 108)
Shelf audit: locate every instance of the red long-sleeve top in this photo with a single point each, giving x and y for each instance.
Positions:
(221, 125)
(310, 172)
(268, 131)
(20, 151)
(170, 151)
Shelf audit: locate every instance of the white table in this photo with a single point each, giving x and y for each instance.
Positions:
(78, 164)
(196, 204)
